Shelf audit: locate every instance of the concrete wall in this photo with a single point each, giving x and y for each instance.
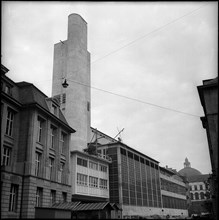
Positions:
(72, 61)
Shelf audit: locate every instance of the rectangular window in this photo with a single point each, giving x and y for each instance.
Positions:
(13, 198)
(52, 197)
(81, 179)
(103, 184)
(64, 197)
(82, 162)
(103, 168)
(51, 167)
(39, 197)
(201, 187)
(54, 109)
(9, 122)
(93, 165)
(52, 136)
(63, 142)
(8, 89)
(40, 130)
(62, 166)
(6, 156)
(63, 98)
(37, 163)
(93, 181)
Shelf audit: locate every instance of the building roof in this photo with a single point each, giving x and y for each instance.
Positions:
(66, 205)
(198, 178)
(188, 171)
(92, 206)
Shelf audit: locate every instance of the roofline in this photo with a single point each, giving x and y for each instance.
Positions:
(89, 155)
(102, 133)
(163, 168)
(118, 142)
(35, 104)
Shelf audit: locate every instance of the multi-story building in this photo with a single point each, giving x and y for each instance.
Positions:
(174, 194)
(35, 150)
(197, 188)
(208, 93)
(138, 184)
(90, 177)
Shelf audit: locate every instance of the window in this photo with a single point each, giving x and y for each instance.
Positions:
(202, 195)
(81, 179)
(62, 142)
(201, 187)
(39, 197)
(9, 123)
(82, 162)
(192, 197)
(103, 168)
(40, 130)
(195, 187)
(37, 163)
(93, 165)
(6, 156)
(52, 136)
(93, 181)
(62, 166)
(63, 98)
(88, 106)
(64, 197)
(8, 89)
(13, 198)
(52, 197)
(51, 167)
(196, 196)
(103, 184)
(54, 110)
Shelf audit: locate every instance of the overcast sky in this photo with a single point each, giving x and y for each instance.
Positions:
(155, 52)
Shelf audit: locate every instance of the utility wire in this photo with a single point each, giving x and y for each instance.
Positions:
(133, 99)
(156, 30)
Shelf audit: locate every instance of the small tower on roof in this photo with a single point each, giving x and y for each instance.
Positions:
(187, 163)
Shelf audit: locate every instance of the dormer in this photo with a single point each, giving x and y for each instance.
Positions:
(53, 105)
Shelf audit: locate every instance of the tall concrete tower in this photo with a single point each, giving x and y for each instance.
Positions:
(72, 62)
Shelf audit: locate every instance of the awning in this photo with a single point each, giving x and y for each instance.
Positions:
(66, 205)
(92, 206)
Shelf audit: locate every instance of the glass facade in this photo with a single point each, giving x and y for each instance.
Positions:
(140, 179)
(173, 203)
(172, 187)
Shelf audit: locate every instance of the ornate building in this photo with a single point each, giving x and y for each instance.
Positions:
(197, 187)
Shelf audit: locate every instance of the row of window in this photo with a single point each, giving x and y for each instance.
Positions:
(197, 187)
(38, 166)
(197, 196)
(82, 180)
(92, 165)
(172, 187)
(173, 203)
(53, 135)
(13, 197)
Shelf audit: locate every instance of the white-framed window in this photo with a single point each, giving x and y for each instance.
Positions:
(63, 142)
(52, 197)
(6, 156)
(103, 168)
(10, 122)
(93, 181)
(82, 162)
(37, 163)
(103, 183)
(13, 198)
(93, 165)
(81, 179)
(39, 197)
(39, 130)
(51, 167)
(52, 136)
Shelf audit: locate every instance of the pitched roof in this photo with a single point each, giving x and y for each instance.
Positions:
(66, 205)
(92, 206)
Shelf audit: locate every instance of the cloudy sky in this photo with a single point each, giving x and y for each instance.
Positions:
(155, 52)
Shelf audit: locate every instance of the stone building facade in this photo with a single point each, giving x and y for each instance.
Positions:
(35, 150)
(208, 93)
